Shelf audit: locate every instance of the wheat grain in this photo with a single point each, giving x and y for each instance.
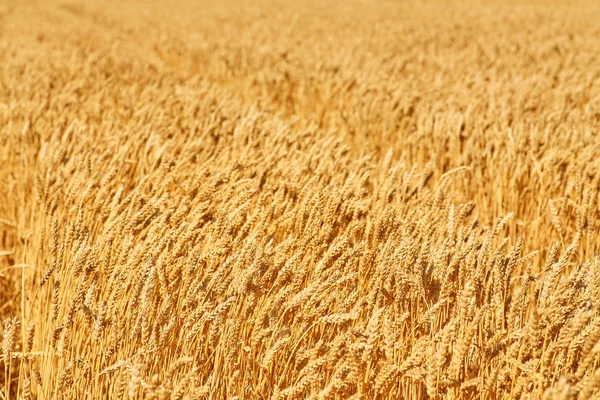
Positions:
(341, 200)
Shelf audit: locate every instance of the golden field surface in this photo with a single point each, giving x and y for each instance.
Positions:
(289, 200)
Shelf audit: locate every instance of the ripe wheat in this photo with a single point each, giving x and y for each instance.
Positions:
(289, 200)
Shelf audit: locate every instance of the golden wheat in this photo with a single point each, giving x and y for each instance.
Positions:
(289, 200)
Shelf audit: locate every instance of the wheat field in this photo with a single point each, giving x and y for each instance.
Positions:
(378, 199)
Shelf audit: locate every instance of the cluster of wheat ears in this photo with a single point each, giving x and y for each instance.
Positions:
(289, 200)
